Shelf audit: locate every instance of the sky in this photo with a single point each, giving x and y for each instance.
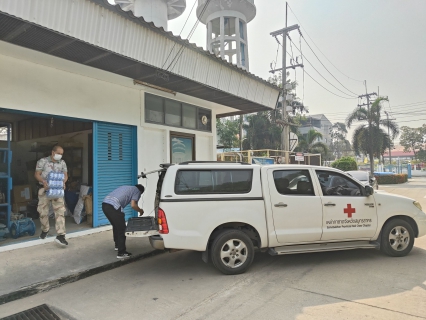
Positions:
(380, 41)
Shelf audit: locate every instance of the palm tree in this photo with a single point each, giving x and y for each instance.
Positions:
(309, 143)
(369, 138)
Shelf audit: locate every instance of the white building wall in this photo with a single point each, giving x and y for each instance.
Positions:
(35, 82)
(91, 23)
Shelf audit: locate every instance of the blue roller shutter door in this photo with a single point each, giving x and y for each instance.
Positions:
(114, 164)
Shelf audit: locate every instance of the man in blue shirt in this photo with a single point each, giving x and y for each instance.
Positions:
(113, 208)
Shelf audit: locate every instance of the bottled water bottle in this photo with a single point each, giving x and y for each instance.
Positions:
(55, 181)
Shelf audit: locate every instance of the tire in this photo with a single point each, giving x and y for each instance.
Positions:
(232, 252)
(397, 238)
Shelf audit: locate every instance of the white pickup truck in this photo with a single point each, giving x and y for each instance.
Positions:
(226, 210)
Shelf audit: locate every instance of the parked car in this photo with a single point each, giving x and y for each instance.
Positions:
(365, 177)
(225, 210)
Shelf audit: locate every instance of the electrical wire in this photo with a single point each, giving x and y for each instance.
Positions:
(403, 105)
(324, 65)
(193, 6)
(319, 48)
(352, 97)
(191, 33)
(412, 120)
(325, 87)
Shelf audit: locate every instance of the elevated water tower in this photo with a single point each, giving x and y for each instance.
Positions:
(156, 11)
(226, 22)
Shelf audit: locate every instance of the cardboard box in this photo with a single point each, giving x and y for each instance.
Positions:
(22, 193)
(19, 206)
(90, 219)
(88, 204)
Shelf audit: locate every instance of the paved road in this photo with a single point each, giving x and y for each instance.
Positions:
(415, 188)
(334, 285)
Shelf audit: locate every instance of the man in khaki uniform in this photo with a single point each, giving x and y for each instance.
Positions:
(44, 166)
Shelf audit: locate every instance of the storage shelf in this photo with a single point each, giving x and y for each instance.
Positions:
(4, 204)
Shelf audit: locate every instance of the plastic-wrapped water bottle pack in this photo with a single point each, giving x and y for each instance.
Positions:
(55, 180)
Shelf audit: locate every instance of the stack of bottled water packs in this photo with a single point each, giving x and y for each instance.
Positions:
(55, 180)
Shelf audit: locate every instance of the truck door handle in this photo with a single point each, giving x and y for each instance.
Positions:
(280, 205)
(329, 204)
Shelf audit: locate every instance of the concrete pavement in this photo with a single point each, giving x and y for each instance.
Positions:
(31, 270)
(356, 284)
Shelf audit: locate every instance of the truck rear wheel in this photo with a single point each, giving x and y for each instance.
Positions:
(232, 252)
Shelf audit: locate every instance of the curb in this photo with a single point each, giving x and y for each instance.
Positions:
(37, 242)
(51, 284)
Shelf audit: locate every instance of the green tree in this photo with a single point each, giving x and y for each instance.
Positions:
(227, 131)
(413, 139)
(339, 144)
(309, 143)
(261, 132)
(369, 138)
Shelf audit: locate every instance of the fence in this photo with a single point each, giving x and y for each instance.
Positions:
(267, 156)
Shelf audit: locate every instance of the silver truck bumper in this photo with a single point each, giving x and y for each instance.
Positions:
(156, 242)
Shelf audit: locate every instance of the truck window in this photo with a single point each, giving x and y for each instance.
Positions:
(293, 182)
(335, 184)
(213, 181)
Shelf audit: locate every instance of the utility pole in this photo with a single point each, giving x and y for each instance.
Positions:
(285, 135)
(390, 142)
(370, 142)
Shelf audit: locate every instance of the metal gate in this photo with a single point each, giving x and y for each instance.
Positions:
(114, 164)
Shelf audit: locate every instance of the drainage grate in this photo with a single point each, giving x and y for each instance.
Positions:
(42, 312)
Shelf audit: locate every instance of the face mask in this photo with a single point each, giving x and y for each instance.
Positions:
(57, 157)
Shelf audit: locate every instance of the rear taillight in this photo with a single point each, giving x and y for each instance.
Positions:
(162, 222)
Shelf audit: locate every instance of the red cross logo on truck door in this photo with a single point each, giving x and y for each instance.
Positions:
(349, 210)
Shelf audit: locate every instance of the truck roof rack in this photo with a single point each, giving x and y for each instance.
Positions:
(215, 162)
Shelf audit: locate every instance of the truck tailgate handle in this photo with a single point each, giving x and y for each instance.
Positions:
(280, 205)
(330, 204)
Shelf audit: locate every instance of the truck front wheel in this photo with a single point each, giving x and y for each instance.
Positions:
(397, 238)
(232, 252)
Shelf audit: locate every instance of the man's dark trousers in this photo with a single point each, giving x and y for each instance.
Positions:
(116, 218)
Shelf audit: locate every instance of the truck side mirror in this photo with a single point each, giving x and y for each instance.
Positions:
(369, 190)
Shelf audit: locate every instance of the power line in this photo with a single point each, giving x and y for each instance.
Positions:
(325, 87)
(324, 65)
(320, 49)
(324, 77)
(402, 105)
(193, 6)
(410, 106)
(412, 120)
(191, 33)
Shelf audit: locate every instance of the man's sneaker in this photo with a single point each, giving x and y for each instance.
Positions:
(61, 240)
(124, 255)
(116, 248)
(43, 235)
